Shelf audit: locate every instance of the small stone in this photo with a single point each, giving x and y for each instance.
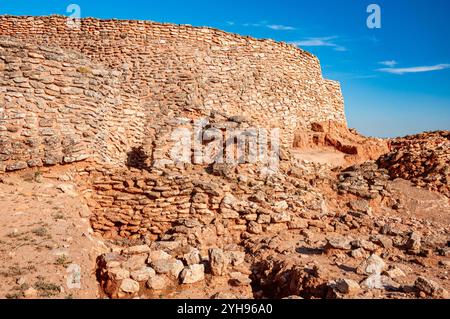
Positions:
(361, 206)
(239, 279)
(395, 273)
(192, 274)
(366, 245)
(30, 293)
(225, 295)
(21, 281)
(158, 255)
(348, 286)
(166, 245)
(135, 262)
(193, 257)
(172, 266)
(113, 264)
(372, 265)
(390, 284)
(254, 228)
(141, 249)
(339, 243)
(373, 282)
(143, 274)
(359, 253)
(414, 242)
(218, 261)
(385, 242)
(430, 288)
(157, 282)
(129, 286)
(236, 258)
(118, 274)
(16, 166)
(281, 217)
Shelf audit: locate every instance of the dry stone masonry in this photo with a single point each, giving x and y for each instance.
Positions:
(107, 99)
(113, 86)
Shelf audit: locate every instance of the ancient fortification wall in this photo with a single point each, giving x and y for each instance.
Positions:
(110, 86)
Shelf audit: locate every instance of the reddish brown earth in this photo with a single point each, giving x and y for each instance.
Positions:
(364, 213)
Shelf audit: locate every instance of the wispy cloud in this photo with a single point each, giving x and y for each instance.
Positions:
(390, 63)
(415, 69)
(280, 27)
(320, 42)
(266, 24)
(231, 23)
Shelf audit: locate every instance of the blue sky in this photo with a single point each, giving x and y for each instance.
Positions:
(395, 80)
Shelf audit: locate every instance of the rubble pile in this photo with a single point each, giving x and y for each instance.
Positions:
(424, 159)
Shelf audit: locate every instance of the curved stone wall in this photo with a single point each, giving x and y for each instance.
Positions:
(114, 85)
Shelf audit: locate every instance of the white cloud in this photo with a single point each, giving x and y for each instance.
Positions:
(280, 27)
(265, 24)
(416, 69)
(319, 42)
(252, 25)
(230, 23)
(390, 63)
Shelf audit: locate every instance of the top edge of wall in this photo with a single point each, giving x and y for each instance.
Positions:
(150, 22)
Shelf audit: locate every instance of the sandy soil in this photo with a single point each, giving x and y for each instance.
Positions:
(46, 246)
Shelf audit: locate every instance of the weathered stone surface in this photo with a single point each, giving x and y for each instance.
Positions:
(347, 286)
(157, 282)
(129, 286)
(134, 262)
(218, 261)
(192, 274)
(373, 282)
(372, 265)
(414, 242)
(118, 274)
(171, 267)
(141, 249)
(431, 288)
(339, 243)
(193, 257)
(143, 274)
(239, 279)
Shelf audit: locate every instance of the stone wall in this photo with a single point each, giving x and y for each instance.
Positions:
(196, 205)
(128, 79)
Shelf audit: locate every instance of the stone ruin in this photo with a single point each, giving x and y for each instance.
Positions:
(106, 99)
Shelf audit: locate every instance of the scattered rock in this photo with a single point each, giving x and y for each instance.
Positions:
(372, 265)
(192, 274)
(395, 273)
(141, 249)
(218, 261)
(30, 293)
(236, 258)
(339, 243)
(414, 242)
(373, 282)
(430, 288)
(239, 279)
(157, 282)
(359, 253)
(129, 286)
(193, 257)
(117, 274)
(171, 266)
(143, 274)
(347, 286)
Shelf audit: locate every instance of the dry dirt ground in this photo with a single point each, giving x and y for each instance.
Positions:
(46, 246)
(48, 250)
